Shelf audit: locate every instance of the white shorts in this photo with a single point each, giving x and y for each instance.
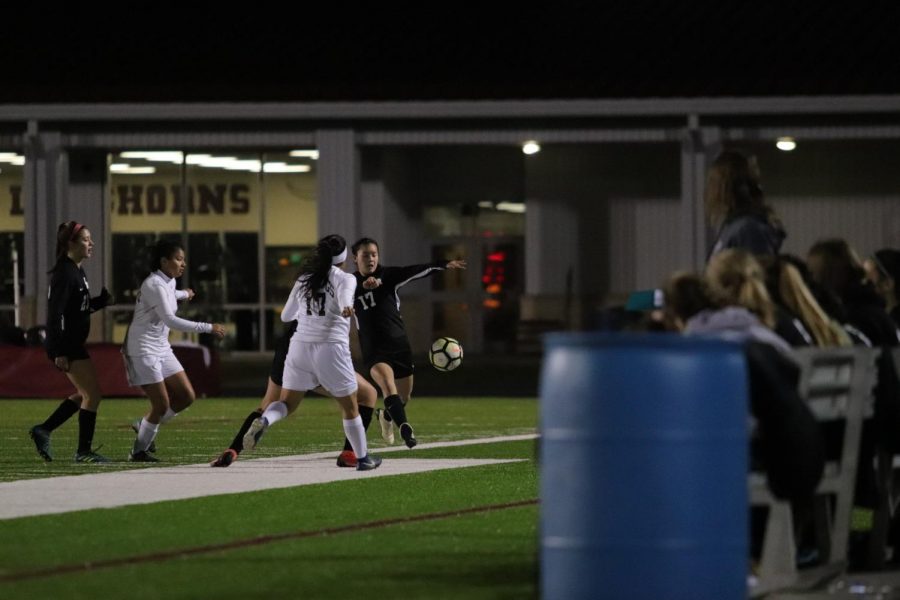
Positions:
(146, 369)
(311, 364)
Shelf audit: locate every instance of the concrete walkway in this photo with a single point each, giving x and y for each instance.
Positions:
(144, 486)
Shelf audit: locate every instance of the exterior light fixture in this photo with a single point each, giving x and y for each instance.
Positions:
(785, 143)
(531, 147)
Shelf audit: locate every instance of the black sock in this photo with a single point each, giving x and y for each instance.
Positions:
(365, 413)
(395, 409)
(62, 414)
(87, 421)
(237, 444)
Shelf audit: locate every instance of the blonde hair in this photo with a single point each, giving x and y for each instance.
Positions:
(736, 278)
(799, 300)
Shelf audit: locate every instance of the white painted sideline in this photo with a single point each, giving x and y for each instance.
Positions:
(32, 497)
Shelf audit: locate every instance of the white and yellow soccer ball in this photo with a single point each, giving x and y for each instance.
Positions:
(445, 354)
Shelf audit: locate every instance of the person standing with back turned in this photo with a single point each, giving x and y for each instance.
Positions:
(319, 352)
(736, 205)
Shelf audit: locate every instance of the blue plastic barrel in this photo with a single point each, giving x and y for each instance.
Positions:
(643, 467)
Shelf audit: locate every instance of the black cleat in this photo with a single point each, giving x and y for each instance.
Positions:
(142, 456)
(90, 457)
(136, 427)
(406, 432)
(368, 463)
(225, 460)
(41, 439)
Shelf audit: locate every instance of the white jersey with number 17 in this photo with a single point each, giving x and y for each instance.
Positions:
(318, 312)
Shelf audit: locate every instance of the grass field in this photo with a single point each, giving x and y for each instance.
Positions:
(460, 533)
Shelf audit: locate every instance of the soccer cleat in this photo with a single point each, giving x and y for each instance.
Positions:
(41, 439)
(136, 427)
(90, 457)
(406, 432)
(347, 459)
(256, 431)
(225, 460)
(387, 427)
(368, 463)
(142, 456)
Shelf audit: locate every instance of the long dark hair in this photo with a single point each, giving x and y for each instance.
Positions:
(65, 233)
(164, 248)
(733, 188)
(314, 270)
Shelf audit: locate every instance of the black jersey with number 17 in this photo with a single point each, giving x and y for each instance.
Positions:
(378, 310)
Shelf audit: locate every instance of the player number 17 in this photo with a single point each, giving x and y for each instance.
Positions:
(371, 298)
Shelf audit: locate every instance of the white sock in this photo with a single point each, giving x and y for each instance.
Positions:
(353, 429)
(146, 435)
(276, 412)
(170, 414)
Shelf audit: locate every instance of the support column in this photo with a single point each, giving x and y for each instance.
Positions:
(44, 191)
(338, 183)
(86, 177)
(696, 147)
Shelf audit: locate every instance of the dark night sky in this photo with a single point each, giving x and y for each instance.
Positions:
(162, 52)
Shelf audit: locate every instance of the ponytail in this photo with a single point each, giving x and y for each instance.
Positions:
(799, 300)
(736, 279)
(331, 250)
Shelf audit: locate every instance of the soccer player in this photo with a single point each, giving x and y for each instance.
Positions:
(382, 336)
(366, 398)
(319, 352)
(149, 360)
(69, 308)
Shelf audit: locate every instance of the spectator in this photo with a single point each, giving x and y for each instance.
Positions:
(736, 206)
(837, 268)
(799, 318)
(787, 443)
(883, 270)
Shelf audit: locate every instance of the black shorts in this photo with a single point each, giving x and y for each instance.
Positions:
(400, 362)
(276, 373)
(77, 353)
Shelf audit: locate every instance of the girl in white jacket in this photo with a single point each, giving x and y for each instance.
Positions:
(149, 360)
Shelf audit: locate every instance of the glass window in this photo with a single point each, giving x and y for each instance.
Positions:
(236, 212)
(12, 227)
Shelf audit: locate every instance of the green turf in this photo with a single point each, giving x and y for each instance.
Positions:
(483, 555)
(203, 431)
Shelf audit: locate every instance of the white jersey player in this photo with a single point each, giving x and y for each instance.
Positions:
(319, 352)
(150, 362)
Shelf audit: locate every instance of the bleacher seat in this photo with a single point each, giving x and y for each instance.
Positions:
(837, 384)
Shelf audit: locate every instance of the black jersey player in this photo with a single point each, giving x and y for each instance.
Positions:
(382, 336)
(69, 308)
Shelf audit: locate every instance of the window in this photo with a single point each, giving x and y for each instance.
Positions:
(12, 227)
(237, 213)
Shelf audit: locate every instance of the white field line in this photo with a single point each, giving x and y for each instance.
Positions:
(55, 495)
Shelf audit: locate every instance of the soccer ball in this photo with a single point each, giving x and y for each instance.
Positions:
(445, 354)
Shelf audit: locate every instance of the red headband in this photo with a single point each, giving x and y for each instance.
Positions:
(78, 227)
